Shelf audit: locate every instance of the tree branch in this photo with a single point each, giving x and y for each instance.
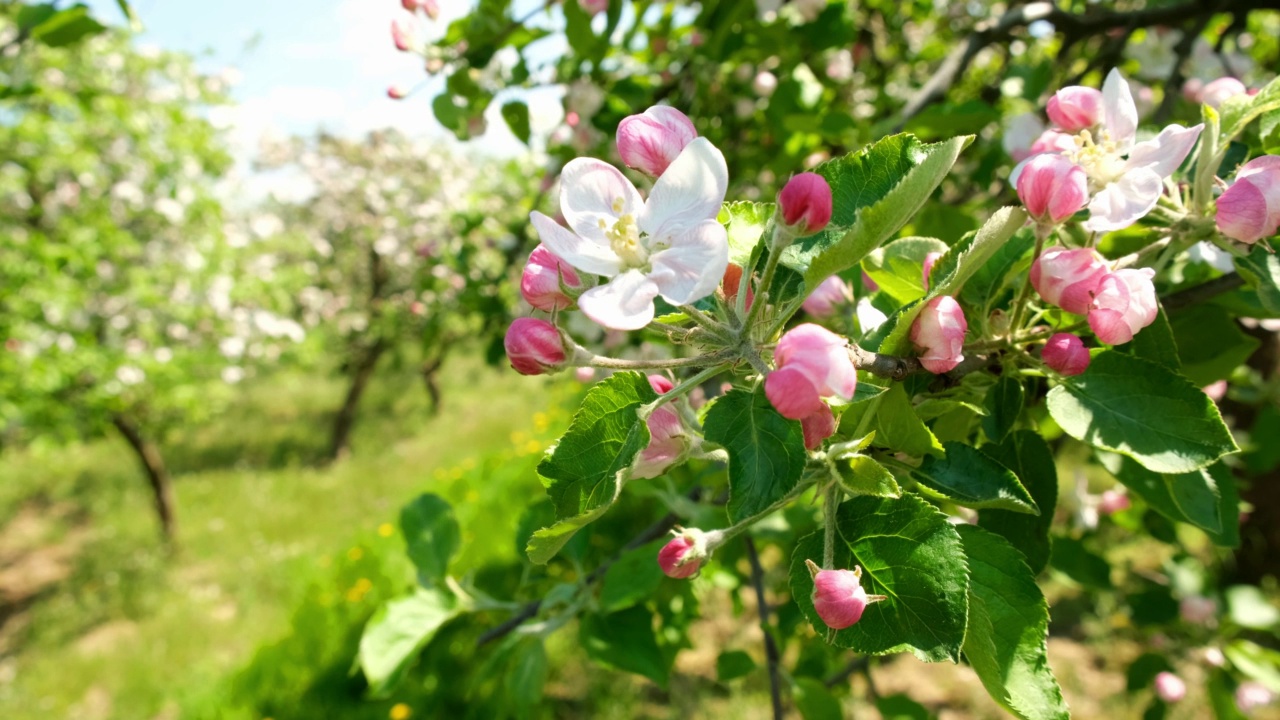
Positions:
(770, 645)
(1199, 293)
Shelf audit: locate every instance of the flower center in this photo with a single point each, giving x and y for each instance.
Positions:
(624, 238)
(1101, 159)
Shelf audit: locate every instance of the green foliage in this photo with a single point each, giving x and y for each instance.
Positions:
(766, 450)
(399, 630)
(1029, 457)
(969, 477)
(431, 534)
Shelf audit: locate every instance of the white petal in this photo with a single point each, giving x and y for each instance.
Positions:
(690, 191)
(1119, 113)
(1166, 151)
(590, 191)
(623, 303)
(1121, 203)
(694, 265)
(579, 252)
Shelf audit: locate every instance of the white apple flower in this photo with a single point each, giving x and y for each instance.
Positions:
(1126, 179)
(669, 245)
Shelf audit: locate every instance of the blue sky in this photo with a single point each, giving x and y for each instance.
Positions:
(315, 64)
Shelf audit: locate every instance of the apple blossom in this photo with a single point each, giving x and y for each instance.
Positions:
(1125, 303)
(1219, 91)
(534, 346)
(830, 294)
(652, 140)
(1249, 210)
(765, 83)
(1052, 188)
(805, 204)
(813, 363)
(683, 556)
(939, 332)
(1113, 501)
(402, 35)
(817, 427)
(1066, 353)
(668, 439)
(1169, 687)
(1068, 278)
(927, 267)
(1126, 179)
(669, 245)
(1075, 108)
(540, 283)
(1251, 695)
(838, 595)
(397, 92)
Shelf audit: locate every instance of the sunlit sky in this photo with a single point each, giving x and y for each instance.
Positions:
(314, 64)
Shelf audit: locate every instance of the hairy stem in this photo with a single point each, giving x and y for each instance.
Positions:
(830, 503)
(601, 361)
(1021, 302)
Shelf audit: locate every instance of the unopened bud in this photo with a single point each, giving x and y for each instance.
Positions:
(1052, 188)
(927, 267)
(544, 280)
(402, 35)
(817, 427)
(1068, 278)
(838, 595)
(939, 332)
(1113, 501)
(397, 92)
(534, 347)
(1066, 353)
(1170, 688)
(829, 295)
(652, 140)
(1251, 695)
(685, 554)
(1075, 108)
(805, 204)
(731, 282)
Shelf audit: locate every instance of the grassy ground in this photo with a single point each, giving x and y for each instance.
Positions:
(103, 624)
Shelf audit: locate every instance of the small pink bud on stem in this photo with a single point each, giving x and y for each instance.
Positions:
(1075, 108)
(1068, 278)
(805, 204)
(544, 280)
(685, 554)
(838, 595)
(534, 347)
(1052, 188)
(402, 35)
(652, 140)
(829, 295)
(1066, 353)
(813, 363)
(939, 332)
(1169, 687)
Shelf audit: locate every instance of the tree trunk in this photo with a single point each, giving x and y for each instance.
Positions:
(429, 370)
(153, 465)
(346, 417)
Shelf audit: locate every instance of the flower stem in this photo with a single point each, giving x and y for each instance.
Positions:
(770, 267)
(830, 503)
(658, 364)
(681, 389)
(737, 528)
(1041, 234)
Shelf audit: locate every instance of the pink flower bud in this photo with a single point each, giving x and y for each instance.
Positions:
(668, 439)
(1213, 657)
(1052, 188)
(1216, 390)
(1220, 90)
(1250, 209)
(813, 363)
(430, 7)
(1075, 108)
(397, 92)
(1170, 688)
(1052, 141)
(1066, 353)
(683, 556)
(732, 281)
(927, 268)
(939, 332)
(402, 35)
(1197, 609)
(818, 427)
(805, 203)
(534, 346)
(594, 7)
(1125, 303)
(838, 595)
(1251, 695)
(652, 140)
(1111, 502)
(829, 295)
(540, 283)
(1068, 278)
(765, 83)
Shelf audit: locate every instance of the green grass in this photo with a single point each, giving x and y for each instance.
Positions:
(133, 632)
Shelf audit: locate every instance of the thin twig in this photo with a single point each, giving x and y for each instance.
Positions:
(770, 645)
(1199, 293)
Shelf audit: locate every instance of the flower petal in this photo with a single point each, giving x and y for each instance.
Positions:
(1166, 151)
(692, 267)
(1119, 113)
(590, 191)
(690, 191)
(623, 303)
(1120, 204)
(579, 252)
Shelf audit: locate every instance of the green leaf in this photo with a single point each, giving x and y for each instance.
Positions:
(766, 450)
(1239, 111)
(989, 280)
(865, 476)
(1261, 270)
(1194, 498)
(733, 664)
(908, 552)
(516, 115)
(397, 632)
(945, 119)
(745, 223)
(1248, 607)
(431, 534)
(29, 17)
(67, 27)
(1008, 627)
(1269, 132)
(1027, 455)
(968, 477)
(1156, 343)
(898, 268)
(814, 700)
(633, 578)
(1080, 564)
(1222, 697)
(1210, 343)
(625, 640)
(525, 675)
(898, 427)
(901, 707)
(1004, 404)
(585, 472)
(875, 191)
(964, 260)
(1140, 409)
(1256, 662)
